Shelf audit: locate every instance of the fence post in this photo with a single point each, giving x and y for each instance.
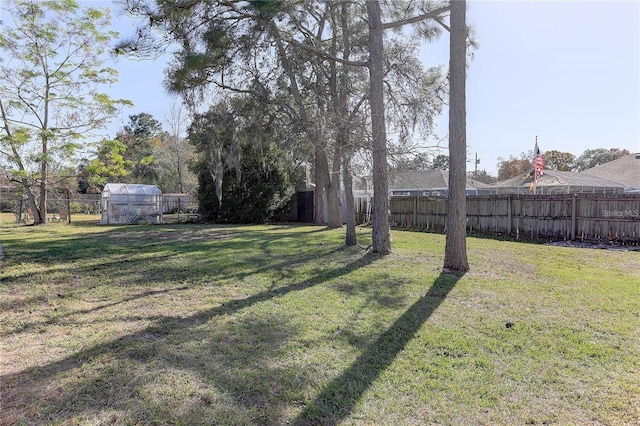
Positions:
(414, 225)
(574, 205)
(67, 194)
(509, 218)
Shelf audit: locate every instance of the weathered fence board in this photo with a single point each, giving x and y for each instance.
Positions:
(593, 217)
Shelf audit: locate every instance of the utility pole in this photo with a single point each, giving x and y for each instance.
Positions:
(476, 162)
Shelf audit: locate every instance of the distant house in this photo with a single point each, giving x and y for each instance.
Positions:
(555, 182)
(430, 183)
(624, 170)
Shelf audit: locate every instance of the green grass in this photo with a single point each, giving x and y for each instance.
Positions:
(260, 325)
(7, 218)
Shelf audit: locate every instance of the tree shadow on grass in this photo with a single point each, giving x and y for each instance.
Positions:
(122, 250)
(29, 326)
(127, 254)
(338, 399)
(112, 375)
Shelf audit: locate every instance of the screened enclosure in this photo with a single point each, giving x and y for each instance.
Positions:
(556, 182)
(126, 203)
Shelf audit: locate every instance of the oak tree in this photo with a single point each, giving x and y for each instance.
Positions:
(557, 160)
(513, 166)
(594, 157)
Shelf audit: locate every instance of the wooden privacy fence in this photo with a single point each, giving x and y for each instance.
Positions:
(589, 217)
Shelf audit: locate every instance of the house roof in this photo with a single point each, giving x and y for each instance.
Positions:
(554, 178)
(625, 170)
(428, 179)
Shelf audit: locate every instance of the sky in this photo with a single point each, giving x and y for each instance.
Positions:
(566, 72)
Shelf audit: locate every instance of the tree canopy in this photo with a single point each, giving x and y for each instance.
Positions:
(53, 68)
(556, 160)
(514, 166)
(310, 59)
(594, 157)
(241, 179)
(143, 152)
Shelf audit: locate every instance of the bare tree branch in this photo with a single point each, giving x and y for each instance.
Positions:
(433, 14)
(441, 22)
(326, 55)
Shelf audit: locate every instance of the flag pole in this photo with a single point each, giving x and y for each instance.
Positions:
(535, 177)
(537, 166)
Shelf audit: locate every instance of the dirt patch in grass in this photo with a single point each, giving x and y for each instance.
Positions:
(503, 264)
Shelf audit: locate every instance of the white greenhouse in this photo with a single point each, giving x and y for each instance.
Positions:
(127, 203)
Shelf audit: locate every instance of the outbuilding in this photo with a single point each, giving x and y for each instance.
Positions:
(430, 182)
(127, 203)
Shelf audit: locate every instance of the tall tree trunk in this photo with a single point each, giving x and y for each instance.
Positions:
(330, 189)
(44, 167)
(32, 202)
(381, 236)
(37, 218)
(320, 195)
(333, 191)
(179, 165)
(456, 242)
(343, 138)
(41, 217)
(350, 217)
(327, 193)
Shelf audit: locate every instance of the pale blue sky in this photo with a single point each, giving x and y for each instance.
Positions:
(565, 71)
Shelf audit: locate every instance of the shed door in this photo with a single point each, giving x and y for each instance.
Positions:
(305, 206)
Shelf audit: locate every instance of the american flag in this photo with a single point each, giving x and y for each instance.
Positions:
(537, 169)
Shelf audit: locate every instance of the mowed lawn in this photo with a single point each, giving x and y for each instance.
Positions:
(283, 325)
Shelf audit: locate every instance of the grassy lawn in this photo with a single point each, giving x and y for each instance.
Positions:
(260, 325)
